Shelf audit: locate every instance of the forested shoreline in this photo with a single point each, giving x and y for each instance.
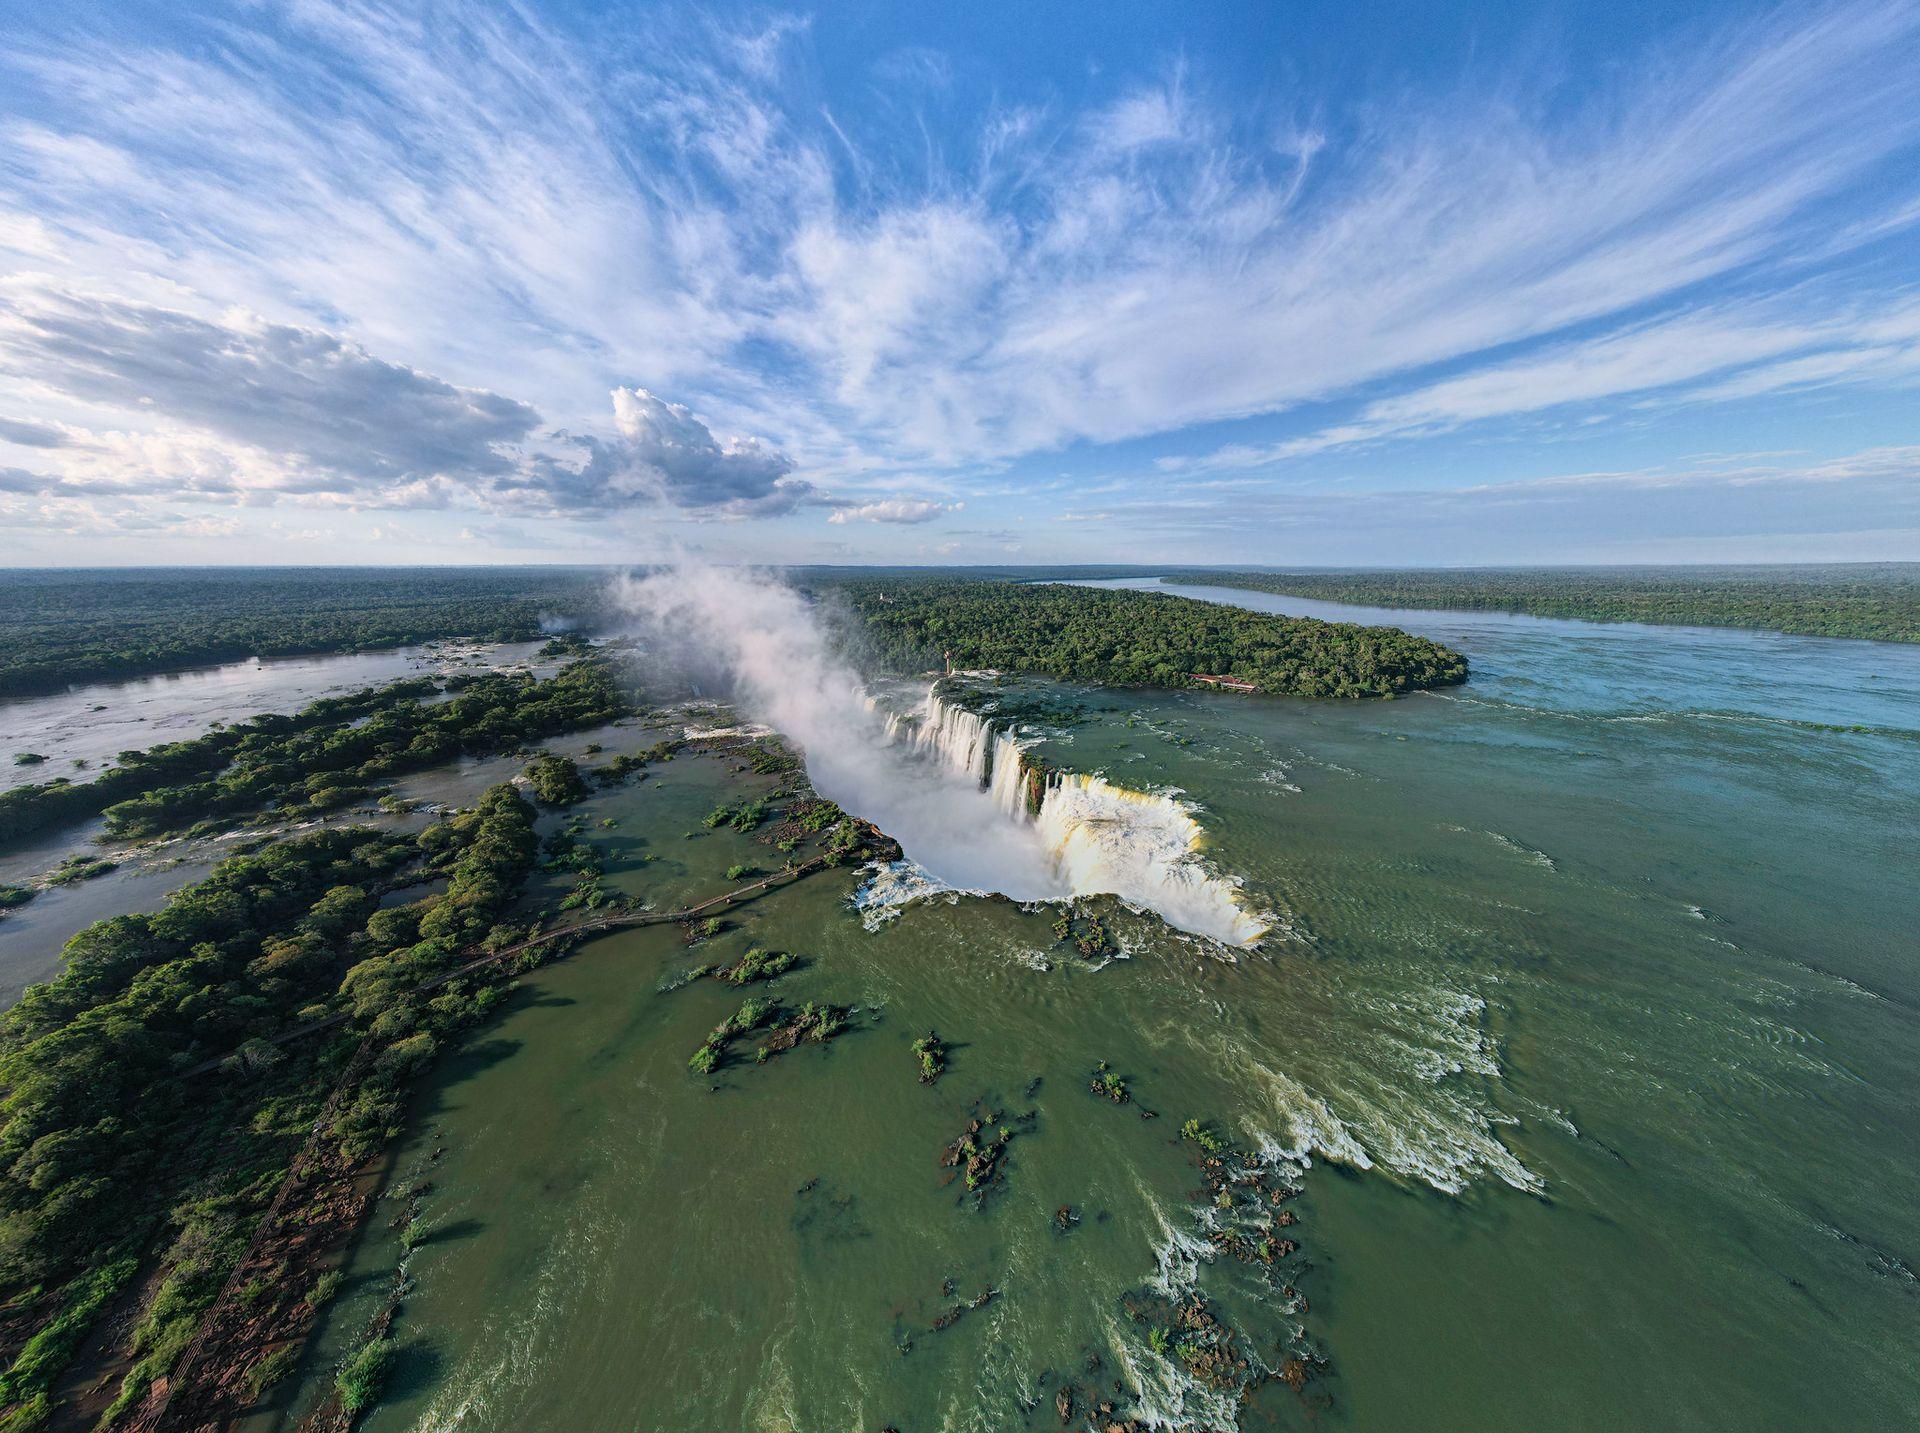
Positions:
(118, 1162)
(321, 758)
(1134, 638)
(110, 1156)
(1873, 601)
(152, 1108)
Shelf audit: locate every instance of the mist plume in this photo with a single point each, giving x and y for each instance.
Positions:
(945, 783)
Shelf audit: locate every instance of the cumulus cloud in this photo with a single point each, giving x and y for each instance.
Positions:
(662, 455)
(247, 410)
(671, 455)
(894, 510)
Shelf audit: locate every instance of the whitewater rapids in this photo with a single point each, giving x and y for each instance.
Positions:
(1096, 838)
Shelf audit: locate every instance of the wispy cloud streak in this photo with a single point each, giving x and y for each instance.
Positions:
(460, 229)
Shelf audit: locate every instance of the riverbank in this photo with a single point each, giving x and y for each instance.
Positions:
(1877, 602)
(80, 730)
(247, 1339)
(390, 1013)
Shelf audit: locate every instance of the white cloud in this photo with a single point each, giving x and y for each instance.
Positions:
(1719, 355)
(248, 411)
(24, 434)
(1760, 500)
(895, 510)
(300, 394)
(663, 455)
(461, 232)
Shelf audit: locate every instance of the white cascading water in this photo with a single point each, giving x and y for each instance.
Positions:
(1141, 848)
(1101, 838)
(943, 781)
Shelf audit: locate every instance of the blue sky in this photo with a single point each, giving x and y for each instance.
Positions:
(1416, 283)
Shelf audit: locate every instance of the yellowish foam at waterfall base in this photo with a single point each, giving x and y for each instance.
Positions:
(1100, 838)
(1143, 848)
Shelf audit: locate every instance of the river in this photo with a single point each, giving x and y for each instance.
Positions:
(1589, 1019)
(92, 724)
(84, 727)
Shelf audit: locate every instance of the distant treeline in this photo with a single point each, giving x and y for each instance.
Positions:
(1871, 600)
(77, 625)
(68, 626)
(62, 627)
(1136, 638)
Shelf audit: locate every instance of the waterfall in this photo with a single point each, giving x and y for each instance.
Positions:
(1142, 848)
(1101, 839)
(961, 739)
(1009, 789)
(959, 794)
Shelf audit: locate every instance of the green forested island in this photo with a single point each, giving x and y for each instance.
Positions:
(320, 758)
(1880, 601)
(1137, 639)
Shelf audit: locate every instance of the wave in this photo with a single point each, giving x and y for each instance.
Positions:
(1525, 852)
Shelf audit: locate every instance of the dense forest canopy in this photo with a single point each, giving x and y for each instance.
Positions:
(1136, 638)
(111, 1153)
(69, 625)
(1872, 600)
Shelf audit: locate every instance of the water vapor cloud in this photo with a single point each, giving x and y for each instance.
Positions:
(941, 780)
(780, 663)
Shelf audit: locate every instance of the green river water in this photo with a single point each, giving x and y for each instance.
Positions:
(1589, 1024)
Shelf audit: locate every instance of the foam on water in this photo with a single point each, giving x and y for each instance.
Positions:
(1144, 849)
(891, 887)
(1412, 1103)
(1099, 838)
